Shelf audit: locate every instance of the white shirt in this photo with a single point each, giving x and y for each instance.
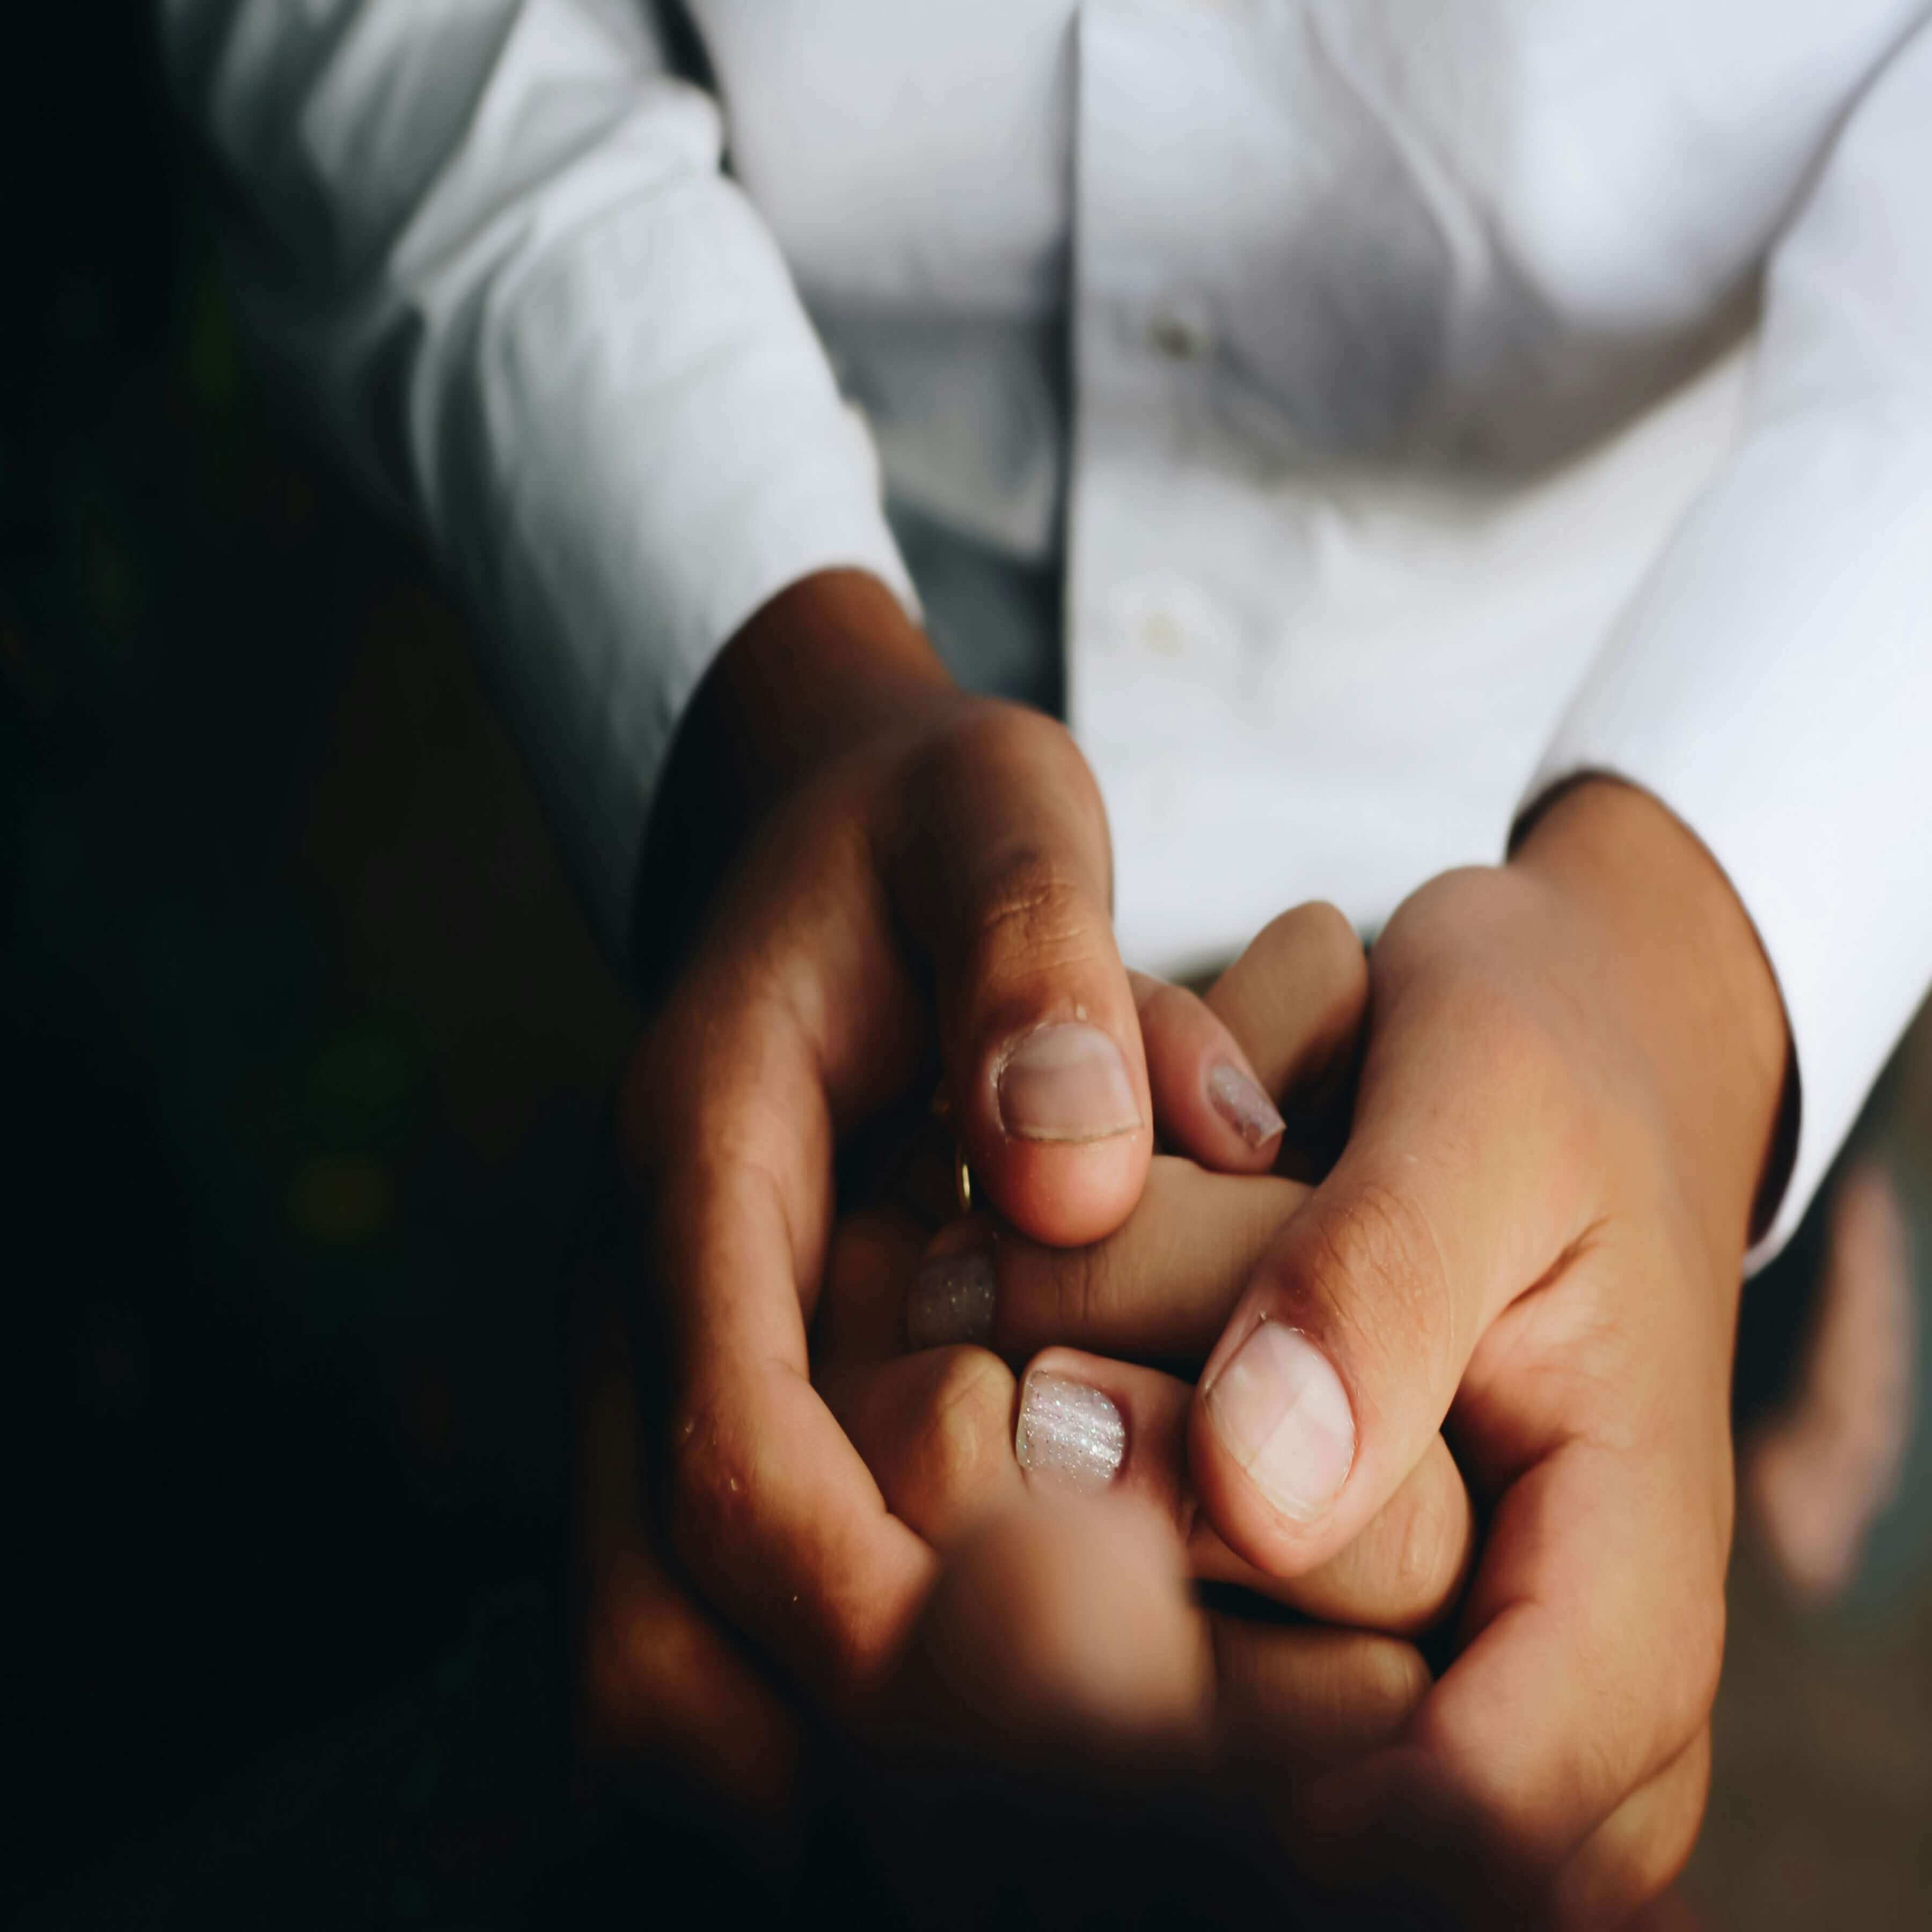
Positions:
(1465, 394)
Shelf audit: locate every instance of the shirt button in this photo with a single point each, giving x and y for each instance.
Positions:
(1179, 331)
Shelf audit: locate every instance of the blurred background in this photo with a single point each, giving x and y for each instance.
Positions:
(306, 1053)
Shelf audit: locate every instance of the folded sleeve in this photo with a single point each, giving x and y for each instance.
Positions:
(491, 242)
(1772, 681)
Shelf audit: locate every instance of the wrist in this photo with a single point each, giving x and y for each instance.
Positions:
(1682, 969)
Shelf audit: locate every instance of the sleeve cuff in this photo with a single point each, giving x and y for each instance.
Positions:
(1773, 686)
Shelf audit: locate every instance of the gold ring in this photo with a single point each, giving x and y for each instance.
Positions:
(962, 1174)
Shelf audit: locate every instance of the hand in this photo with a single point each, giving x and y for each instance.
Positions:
(1574, 1069)
(664, 1691)
(936, 1426)
(923, 877)
(953, 1436)
(666, 1684)
(1065, 1654)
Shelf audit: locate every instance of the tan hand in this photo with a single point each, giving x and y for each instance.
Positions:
(1533, 1236)
(939, 1427)
(667, 1681)
(912, 847)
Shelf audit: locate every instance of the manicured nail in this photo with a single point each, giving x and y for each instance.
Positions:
(952, 1300)
(1243, 1105)
(1068, 1434)
(1280, 1410)
(1067, 1082)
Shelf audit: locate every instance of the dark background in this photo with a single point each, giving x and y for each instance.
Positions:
(304, 1053)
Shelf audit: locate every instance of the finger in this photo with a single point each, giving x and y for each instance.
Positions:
(1294, 1700)
(1402, 1576)
(1594, 1633)
(941, 1429)
(951, 1436)
(663, 1684)
(1459, 1188)
(862, 1308)
(936, 1430)
(1296, 1001)
(1161, 1288)
(1612, 1664)
(1631, 1858)
(948, 1435)
(1001, 871)
(1207, 1102)
(1432, 1848)
(770, 1509)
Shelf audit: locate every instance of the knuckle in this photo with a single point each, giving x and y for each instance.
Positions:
(1672, 1699)
(996, 733)
(1394, 1680)
(1430, 1542)
(1033, 910)
(1646, 1868)
(1521, 1046)
(1495, 1024)
(1700, 1651)
(988, 742)
(1323, 933)
(1083, 1292)
(1168, 1011)
(963, 1438)
(1319, 944)
(1380, 1265)
(1684, 1817)
(1634, 1856)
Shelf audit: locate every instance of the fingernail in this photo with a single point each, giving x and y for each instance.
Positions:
(1243, 1105)
(1067, 1082)
(952, 1300)
(1069, 1433)
(1280, 1410)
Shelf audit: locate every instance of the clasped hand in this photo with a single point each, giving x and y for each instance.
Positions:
(1561, 1079)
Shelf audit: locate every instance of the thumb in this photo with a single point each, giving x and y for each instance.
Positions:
(1458, 1188)
(1001, 871)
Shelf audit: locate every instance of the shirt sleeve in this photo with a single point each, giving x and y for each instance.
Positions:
(491, 240)
(1772, 681)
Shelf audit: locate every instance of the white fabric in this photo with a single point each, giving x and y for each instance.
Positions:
(492, 238)
(1799, 748)
(1465, 393)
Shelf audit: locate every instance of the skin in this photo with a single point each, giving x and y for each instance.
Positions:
(666, 1681)
(936, 1427)
(906, 886)
(1007, 1660)
(1574, 1070)
(911, 880)
(1571, 1075)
